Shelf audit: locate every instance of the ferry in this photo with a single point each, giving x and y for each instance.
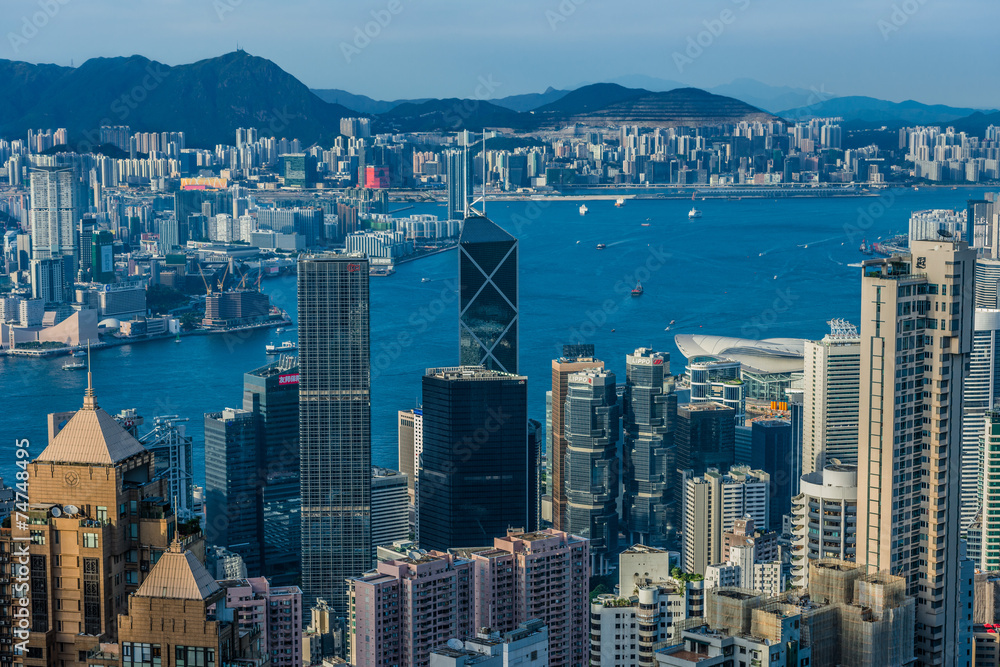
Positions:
(80, 353)
(287, 346)
(583, 209)
(694, 213)
(637, 290)
(74, 366)
(602, 246)
(619, 202)
(644, 224)
(427, 280)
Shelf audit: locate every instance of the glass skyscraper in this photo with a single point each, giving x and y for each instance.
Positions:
(591, 472)
(649, 421)
(478, 473)
(334, 424)
(232, 494)
(271, 393)
(487, 272)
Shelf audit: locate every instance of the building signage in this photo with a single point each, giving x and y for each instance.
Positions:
(291, 378)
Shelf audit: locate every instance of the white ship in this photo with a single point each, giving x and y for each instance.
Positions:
(620, 202)
(694, 213)
(287, 346)
(583, 209)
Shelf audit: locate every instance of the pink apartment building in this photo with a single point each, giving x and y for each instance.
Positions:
(278, 612)
(409, 606)
(406, 607)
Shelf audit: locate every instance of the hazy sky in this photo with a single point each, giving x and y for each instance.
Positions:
(935, 51)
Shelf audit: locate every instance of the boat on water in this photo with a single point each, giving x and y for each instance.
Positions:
(672, 322)
(178, 339)
(644, 224)
(619, 202)
(80, 353)
(602, 246)
(280, 330)
(583, 209)
(637, 290)
(694, 213)
(74, 366)
(287, 346)
(427, 280)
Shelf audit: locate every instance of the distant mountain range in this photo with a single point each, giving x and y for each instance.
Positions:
(209, 99)
(871, 110)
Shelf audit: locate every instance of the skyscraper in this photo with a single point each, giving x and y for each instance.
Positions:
(649, 420)
(233, 502)
(772, 452)
(90, 491)
(56, 207)
(475, 467)
(831, 385)
(981, 389)
(271, 393)
(916, 338)
(488, 312)
(459, 173)
(575, 358)
(411, 437)
(592, 416)
(334, 424)
(706, 437)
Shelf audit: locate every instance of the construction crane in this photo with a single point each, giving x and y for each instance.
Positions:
(208, 288)
(222, 283)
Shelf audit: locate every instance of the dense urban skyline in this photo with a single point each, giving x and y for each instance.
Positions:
(407, 55)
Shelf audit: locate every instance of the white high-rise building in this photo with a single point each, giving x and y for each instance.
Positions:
(981, 390)
(390, 507)
(55, 209)
(916, 339)
(830, 401)
(712, 504)
(824, 518)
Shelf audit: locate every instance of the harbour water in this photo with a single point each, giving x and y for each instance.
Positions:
(756, 268)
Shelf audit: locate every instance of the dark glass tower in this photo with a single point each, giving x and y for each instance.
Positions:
(476, 467)
(706, 438)
(487, 273)
(334, 424)
(232, 495)
(271, 392)
(591, 428)
(649, 421)
(773, 452)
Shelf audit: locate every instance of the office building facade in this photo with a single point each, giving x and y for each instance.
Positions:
(233, 499)
(825, 518)
(649, 422)
(476, 467)
(592, 416)
(488, 302)
(575, 358)
(774, 453)
(390, 507)
(271, 393)
(334, 424)
(980, 392)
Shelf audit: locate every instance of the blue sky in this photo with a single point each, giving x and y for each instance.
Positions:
(935, 51)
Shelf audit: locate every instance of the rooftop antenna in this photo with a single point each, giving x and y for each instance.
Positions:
(481, 200)
(89, 400)
(177, 532)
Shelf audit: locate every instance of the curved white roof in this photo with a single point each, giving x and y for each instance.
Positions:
(771, 355)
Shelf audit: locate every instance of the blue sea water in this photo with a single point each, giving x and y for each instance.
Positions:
(754, 268)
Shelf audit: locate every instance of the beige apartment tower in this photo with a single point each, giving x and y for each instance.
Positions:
(916, 337)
